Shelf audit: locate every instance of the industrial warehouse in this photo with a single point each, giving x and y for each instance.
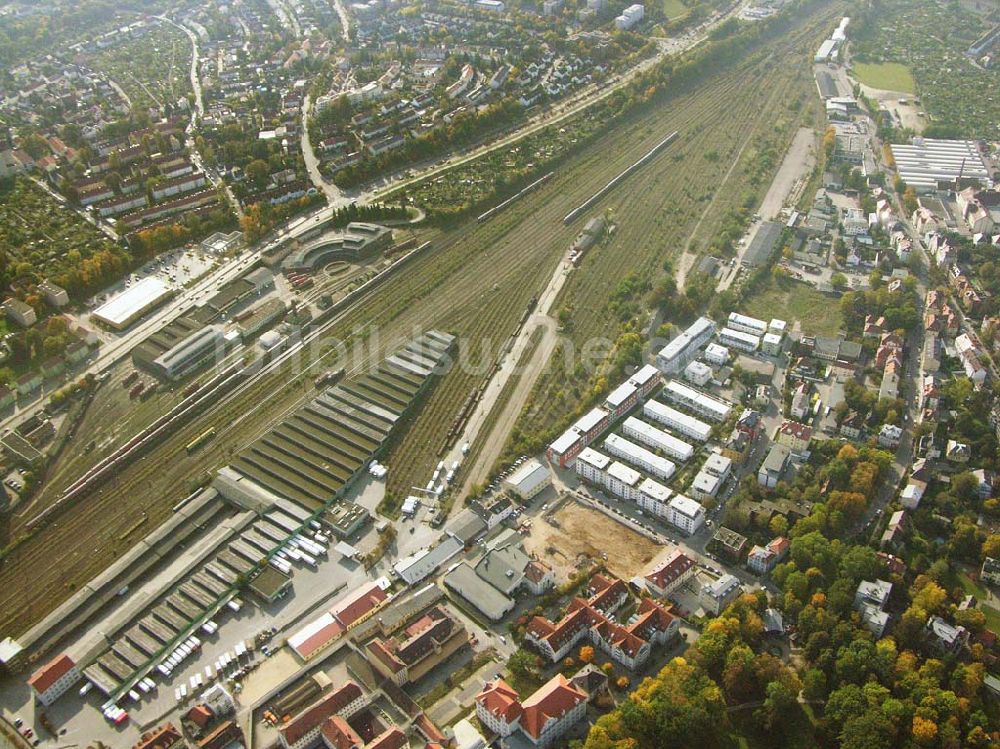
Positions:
(129, 306)
(314, 455)
(354, 242)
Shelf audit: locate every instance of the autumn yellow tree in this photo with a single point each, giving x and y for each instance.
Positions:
(924, 731)
(586, 654)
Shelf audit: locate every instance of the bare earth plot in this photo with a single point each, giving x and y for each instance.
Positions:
(476, 282)
(580, 532)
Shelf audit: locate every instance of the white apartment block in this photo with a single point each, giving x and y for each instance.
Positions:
(697, 373)
(716, 355)
(697, 401)
(654, 498)
(675, 355)
(686, 514)
(623, 481)
(680, 422)
(746, 324)
(739, 340)
(650, 436)
(639, 457)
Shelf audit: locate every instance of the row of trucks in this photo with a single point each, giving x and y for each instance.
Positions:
(441, 478)
(301, 548)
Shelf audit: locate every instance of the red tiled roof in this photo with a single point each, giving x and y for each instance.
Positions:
(339, 734)
(161, 738)
(319, 639)
(500, 699)
(671, 568)
(317, 713)
(200, 715)
(552, 700)
(779, 545)
(352, 608)
(50, 673)
(797, 430)
(536, 571)
(391, 738)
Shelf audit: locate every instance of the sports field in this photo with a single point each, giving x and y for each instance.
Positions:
(888, 76)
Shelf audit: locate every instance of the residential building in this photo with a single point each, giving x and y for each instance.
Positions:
(739, 340)
(990, 572)
(712, 476)
(890, 436)
(19, 312)
(701, 403)
(717, 595)
(639, 457)
(303, 730)
(730, 544)
(763, 559)
(426, 641)
(671, 574)
(628, 394)
(794, 435)
(957, 452)
(716, 355)
(55, 295)
(685, 514)
(568, 445)
(773, 466)
(697, 373)
(673, 357)
(746, 324)
(53, 679)
(945, 637)
(678, 421)
(654, 498)
(771, 344)
(591, 619)
(649, 435)
(542, 718)
(870, 600)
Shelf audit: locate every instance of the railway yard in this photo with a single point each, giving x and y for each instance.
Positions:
(475, 282)
(330, 442)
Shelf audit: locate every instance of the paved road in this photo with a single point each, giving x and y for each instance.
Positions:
(511, 409)
(797, 165)
(333, 193)
(345, 20)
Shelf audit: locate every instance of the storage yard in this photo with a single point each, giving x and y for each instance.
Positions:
(477, 282)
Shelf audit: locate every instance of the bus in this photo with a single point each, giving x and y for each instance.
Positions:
(200, 440)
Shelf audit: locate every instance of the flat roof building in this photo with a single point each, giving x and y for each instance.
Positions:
(747, 324)
(686, 514)
(529, 479)
(928, 163)
(639, 456)
(650, 436)
(699, 402)
(127, 307)
(673, 357)
(680, 422)
(739, 340)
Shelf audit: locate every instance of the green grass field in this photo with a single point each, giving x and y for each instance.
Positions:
(792, 300)
(889, 76)
(674, 8)
(977, 590)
